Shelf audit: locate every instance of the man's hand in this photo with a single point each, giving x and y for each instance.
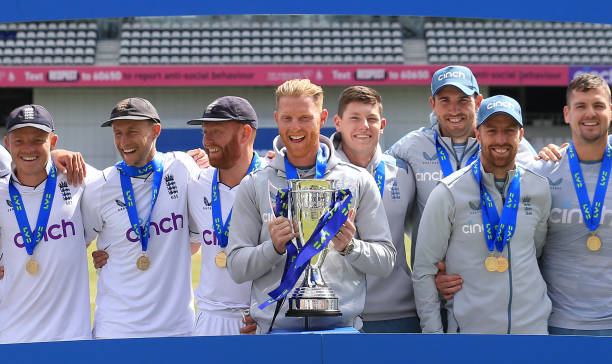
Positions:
(346, 233)
(200, 157)
(71, 164)
(250, 326)
(195, 247)
(551, 152)
(1, 272)
(281, 233)
(447, 285)
(99, 258)
(270, 154)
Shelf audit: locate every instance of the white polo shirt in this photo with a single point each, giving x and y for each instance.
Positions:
(157, 301)
(53, 304)
(216, 289)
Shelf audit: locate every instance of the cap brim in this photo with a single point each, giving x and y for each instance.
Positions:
(463, 88)
(110, 121)
(33, 125)
(202, 120)
(501, 112)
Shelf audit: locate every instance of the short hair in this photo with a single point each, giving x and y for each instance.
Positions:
(586, 82)
(300, 88)
(361, 94)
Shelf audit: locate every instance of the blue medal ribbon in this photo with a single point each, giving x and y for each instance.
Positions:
(443, 158)
(30, 240)
(221, 229)
(591, 212)
(498, 231)
(125, 173)
(379, 176)
(321, 166)
(328, 226)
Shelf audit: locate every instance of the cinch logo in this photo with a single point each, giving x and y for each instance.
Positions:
(210, 237)
(165, 225)
(267, 217)
(505, 104)
(54, 231)
(422, 176)
(471, 228)
(455, 74)
(567, 215)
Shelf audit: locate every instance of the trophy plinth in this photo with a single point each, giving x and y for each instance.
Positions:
(308, 201)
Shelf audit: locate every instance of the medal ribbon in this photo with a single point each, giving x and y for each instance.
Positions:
(591, 212)
(379, 176)
(443, 158)
(321, 165)
(125, 172)
(221, 229)
(503, 227)
(29, 240)
(328, 226)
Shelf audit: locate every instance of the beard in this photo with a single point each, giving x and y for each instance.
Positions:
(226, 159)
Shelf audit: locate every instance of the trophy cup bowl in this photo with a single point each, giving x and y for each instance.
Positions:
(308, 200)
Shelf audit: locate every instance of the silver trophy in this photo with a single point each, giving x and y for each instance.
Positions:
(308, 200)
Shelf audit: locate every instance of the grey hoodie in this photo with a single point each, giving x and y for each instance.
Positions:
(418, 150)
(251, 254)
(513, 302)
(391, 297)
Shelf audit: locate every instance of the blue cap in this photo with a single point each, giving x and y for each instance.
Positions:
(499, 104)
(458, 76)
(30, 115)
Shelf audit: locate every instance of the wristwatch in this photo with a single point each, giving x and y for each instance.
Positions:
(348, 249)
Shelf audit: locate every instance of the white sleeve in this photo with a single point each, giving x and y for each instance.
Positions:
(90, 206)
(193, 205)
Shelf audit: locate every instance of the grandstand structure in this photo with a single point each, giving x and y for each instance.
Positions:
(48, 43)
(306, 40)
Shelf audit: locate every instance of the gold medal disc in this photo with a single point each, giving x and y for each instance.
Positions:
(143, 263)
(491, 264)
(594, 243)
(221, 259)
(32, 266)
(502, 264)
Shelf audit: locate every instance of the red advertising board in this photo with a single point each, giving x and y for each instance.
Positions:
(269, 75)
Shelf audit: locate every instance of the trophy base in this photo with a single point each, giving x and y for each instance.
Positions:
(307, 307)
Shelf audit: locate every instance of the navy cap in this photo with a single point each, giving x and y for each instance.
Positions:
(458, 76)
(134, 108)
(499, 104)
(228, 108)
(30, 115)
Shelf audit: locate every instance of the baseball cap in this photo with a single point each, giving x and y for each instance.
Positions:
(499, 104)
(228, 108)
(459, 76)
(30, 115)
(134, 108)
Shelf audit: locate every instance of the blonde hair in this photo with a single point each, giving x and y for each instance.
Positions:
(300, 88)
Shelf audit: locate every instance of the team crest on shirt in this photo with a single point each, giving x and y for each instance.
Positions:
(207, 204)
(527, 205)
(65, 191)
(395, 191)
(171, 186)
(121, 205)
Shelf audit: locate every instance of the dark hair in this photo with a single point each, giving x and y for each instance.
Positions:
(586, 82)
(361, 94)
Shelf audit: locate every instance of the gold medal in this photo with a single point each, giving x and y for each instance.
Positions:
(32, 266)
(143, 263)
(221, 259)
(594, 243)
(491, 263)
(502, 264)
